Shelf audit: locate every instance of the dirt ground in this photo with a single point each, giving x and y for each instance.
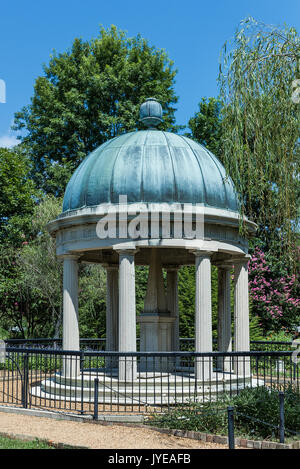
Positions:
(95, 436)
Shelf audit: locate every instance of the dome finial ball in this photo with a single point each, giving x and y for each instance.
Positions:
(151, 113)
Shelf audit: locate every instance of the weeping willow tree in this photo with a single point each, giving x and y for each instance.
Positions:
(259, 75)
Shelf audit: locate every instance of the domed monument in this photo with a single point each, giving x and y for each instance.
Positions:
(158, 199)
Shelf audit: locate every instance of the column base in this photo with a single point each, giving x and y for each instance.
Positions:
(127, 369)
(203, 368)
(71, 366)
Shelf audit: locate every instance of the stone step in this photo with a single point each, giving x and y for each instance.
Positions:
(157, 379)
(128, 399)
(49, 389)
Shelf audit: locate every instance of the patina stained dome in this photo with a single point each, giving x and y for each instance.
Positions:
(151, 166)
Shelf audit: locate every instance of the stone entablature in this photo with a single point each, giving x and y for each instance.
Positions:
(78, 232)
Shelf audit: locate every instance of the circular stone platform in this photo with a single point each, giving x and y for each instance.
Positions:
(148, 389)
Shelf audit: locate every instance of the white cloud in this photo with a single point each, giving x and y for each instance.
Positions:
(8, 141)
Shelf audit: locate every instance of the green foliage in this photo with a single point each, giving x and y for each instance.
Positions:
(186, 301)
(3, 334)
(92, 301)
(259, 403)
(30, 278)
(141, 276)
(281, 336)
(260, 129)
(88, 95)
(18, 194)
(263, 404)
(206, 125)
(208, 417)
(256, 331)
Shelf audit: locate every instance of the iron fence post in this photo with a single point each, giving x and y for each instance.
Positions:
(82, 380)
(96, 388)
(230, 414)
(281, 417)
(25, 381)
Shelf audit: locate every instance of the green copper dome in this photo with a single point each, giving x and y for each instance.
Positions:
(150, 166)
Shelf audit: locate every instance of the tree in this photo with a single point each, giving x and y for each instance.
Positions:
(31, 284)
(31, 277)
(255, 128)
(88, 95)
(274, 292)
(206, 125)
(18, 194)
(260, 129)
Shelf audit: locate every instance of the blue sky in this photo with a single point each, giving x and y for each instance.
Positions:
(192, 32)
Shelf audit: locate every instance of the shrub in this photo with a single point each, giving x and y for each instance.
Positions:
(274, 292)
(252, 408)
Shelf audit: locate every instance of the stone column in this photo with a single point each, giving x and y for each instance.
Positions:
(71, 366)
(127, 314)
(172, 304)
(203, 317)
(112, 311)
(224, 317)
(241, 316)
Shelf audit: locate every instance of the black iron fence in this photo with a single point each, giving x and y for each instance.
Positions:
(186, 344)
(70, 381)
(56, 344)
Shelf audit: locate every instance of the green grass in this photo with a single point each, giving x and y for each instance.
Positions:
(11, 443)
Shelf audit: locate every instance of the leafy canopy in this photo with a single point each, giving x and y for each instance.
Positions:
(206, 125)
(18, 194)
(260, 127)
(88, 95)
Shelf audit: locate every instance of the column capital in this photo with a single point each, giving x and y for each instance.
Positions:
(241, 260)
(199, 253)
(126, 251)
(71, 257)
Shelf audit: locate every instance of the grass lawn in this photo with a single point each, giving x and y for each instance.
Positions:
(9, 443)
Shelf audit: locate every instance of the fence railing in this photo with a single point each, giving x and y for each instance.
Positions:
(57, 344)
(136, 382)
(186, 344)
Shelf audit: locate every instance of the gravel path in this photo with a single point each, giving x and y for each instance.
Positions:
(96, 436)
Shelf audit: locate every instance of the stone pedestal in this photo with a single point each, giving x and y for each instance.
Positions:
(155, 299)
(156, 336)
